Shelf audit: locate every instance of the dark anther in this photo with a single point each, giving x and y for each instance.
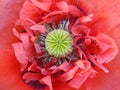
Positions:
(91, 53)
(82, 10)
(79, 41)
(36, 85)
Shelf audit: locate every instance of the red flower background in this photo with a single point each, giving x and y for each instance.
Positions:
(106, 19)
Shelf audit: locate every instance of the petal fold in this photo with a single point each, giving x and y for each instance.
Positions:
(30, 11)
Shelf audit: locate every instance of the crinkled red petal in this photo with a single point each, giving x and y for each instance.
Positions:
(20, 52)
(47, 80)
(111, 80)
(45, 5)
(30, 11)
(40, 28)
(32, 76)
(110, 53)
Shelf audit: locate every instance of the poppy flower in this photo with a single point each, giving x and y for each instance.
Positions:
(59, 44)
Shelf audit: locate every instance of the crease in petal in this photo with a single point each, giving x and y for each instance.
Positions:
(30, 11)
(68, 75)
(79, 79)
(45, 6)
(73, 10)
(47, 80)
(110, 53)
(63, 6)
(20, 52)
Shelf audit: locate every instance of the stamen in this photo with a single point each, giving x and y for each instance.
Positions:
(36, 85)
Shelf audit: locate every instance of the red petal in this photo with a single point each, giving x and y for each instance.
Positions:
(30, 11)
(111, 80)
(80, 30)
(79, 79)
(6, 38)
(47, 80)
(61, 86)
(32, 76)
(106, 14)
(109, 54)
(21, 55)
(10, 75)
(64, 67)
(84, 19)
(45, 6)
(97, 64)
(37, 49)
(33, 68)
(68, 75)
(28, 46)
(74, 11)
(60, 8)
(80, 64)
(8, 14)
(63, 6)
(26, 23)
(40, 28)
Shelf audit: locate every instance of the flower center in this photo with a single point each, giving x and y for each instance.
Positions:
(59, 43)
